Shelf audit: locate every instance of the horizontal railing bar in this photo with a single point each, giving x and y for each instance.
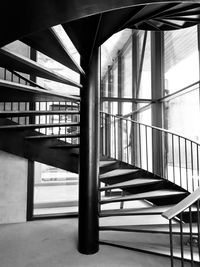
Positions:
(173, 95)
(181, 206)
(119, 99)
(4, 114)
(152, 127)
(152, 101)
(138, 110)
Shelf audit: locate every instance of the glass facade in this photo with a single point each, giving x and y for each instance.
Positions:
(127, 76)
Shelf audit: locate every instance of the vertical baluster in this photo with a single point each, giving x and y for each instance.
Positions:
(198, 165)
(171, 243)
(191, 245)
(104, 134)
(115, 138)
(198, 226)
(59, 118)
(127, 144)
(72, 105)
(39, 116)
(46, 107)
(166, 144)
(179, 152)
(192, 167)
(181, 239)
(173, 163)
(26, 108)
(11, 108)
(52, 118)
(186, 164)
(4, 76)
(11, 76)
(146, 138)
(18, 108)
(66, 116)
(140, 146)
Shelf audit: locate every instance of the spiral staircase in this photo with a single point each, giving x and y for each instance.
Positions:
(127, 193)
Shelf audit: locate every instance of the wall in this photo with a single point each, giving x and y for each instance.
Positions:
(13, 188)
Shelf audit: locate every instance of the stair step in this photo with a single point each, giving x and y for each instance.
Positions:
(140, 211)
(49, 43)
(146, 195)
(153, 228)
(104, 163)
(154, 249)
(66, 146)
(116, 173)
(45, 95)
(4, 114)
(37, 126)
(26, 65)
(133, 183)
(40, 137)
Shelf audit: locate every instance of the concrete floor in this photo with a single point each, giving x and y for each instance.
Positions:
(53, 243)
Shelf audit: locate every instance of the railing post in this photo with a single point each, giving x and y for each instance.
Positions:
(119, 143)
(31, 165)
(107, 135)
(157, 87)
(88, 228)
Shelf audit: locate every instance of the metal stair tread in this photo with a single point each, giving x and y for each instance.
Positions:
(42, 125)
(16, 113)
(104, 163)
(63, 146)
(38, 137)
(117, 172)
(154, 249)
(26, 65)
(153, 228)
(135, 182)
(139, 211)
(146, 195)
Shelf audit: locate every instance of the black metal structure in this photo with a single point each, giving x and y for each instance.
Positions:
(31, 23)
(89, 159)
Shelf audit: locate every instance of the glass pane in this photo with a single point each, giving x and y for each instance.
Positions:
(145, 79)
(181, 59)
(55, 191)
(127, 72)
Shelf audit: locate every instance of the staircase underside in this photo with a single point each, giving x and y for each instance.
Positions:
(14, 141)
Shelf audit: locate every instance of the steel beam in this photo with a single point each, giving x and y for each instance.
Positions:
(157, 87)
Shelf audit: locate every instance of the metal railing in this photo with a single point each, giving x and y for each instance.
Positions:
(46, 118)
(68, 105)
(184, 229)
(165, 153)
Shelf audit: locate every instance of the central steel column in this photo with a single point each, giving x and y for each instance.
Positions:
(157, 89)
(89, 159)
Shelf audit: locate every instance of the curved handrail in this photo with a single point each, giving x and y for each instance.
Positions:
(152, 127)
(163, 152)
(182, 205)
